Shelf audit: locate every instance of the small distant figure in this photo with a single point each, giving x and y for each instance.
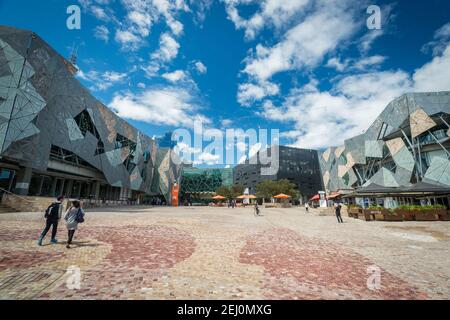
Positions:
(52, 215)
(233, 204)
(257, 212)
(337, 208)
(74, 216)
(306, 207)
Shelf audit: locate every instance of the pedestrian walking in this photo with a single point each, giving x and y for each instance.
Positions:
(52, 216)
(337, 208)
(74, 216)
(306, 206)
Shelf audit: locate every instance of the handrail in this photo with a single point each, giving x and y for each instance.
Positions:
(17, 196)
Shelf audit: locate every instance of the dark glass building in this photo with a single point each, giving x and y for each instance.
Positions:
(300, 166)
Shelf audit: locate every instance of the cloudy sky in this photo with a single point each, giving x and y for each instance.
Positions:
(310, 68)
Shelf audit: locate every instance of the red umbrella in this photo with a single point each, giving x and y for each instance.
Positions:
(315, 198)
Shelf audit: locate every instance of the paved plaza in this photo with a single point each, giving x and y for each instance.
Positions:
(221, 253)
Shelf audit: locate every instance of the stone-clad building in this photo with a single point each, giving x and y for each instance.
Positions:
(409, 143)
(56, 138)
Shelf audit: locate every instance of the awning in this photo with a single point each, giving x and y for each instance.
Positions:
(315, 198)
(334, 196)
(420, 188)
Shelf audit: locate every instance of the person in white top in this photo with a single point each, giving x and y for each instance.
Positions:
(306, 206)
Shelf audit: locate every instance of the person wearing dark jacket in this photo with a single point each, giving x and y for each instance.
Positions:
(337, 208)
(52, 215)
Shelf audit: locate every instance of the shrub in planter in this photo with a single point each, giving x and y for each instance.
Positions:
(422, 213)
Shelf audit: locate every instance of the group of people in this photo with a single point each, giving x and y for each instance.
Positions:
(337, 209)
(232, 204)
(73, 216)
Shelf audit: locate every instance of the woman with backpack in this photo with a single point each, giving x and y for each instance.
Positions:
(74, 216)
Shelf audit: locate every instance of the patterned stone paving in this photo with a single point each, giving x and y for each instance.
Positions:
(209, 253)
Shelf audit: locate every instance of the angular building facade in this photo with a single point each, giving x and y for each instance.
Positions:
(408, 143)
(56, 138)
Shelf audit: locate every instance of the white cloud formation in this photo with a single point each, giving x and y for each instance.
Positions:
(170, 106)
(440, 40)
(435, 75)
(276, 13)
(368, 62)
(200, 67)
(128, 40)
(303, 46)
(168, 48)
(175, 76)
(101, 33)
(326, 118)
(248, 93)
(101, 81)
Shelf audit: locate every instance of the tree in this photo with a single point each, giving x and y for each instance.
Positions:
(269, 188)
(230, 192)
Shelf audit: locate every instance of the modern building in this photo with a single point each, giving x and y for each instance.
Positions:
(404, 155)
(300, 166)
(198, 185)
(56, 138)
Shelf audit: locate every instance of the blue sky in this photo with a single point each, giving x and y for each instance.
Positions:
(310, 68)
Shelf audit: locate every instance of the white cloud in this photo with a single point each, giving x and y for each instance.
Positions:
(207, 158)
(337, 64)
(248, 93)
(200, 67)
(368, 62)
(101, 33)
(141, 85)
(128, 40)
(304, 45)
(174, 76)
(440, 42)
(100, 81)
(226, 122)
(168, 48)
(435, 75)
(170, 106)
(276, 13)
(327, 118)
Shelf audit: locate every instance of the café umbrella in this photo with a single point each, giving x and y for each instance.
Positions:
(282, 196)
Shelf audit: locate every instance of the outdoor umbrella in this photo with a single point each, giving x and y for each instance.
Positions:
(315, 198)
(245, 196)
(282, 196)
(219, 197)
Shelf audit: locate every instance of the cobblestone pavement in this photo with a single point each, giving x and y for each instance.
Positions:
(220, 253)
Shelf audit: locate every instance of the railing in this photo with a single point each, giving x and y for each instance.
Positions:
(17, 196)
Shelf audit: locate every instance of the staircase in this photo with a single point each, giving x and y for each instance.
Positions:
(6, 209)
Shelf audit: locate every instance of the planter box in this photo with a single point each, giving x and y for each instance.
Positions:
(353, 212)
(426, 216)
(376, 214)
(366, 215)
(379, 216)
(430, 215)
(407, 215)
(444, 217)
(393, 217)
